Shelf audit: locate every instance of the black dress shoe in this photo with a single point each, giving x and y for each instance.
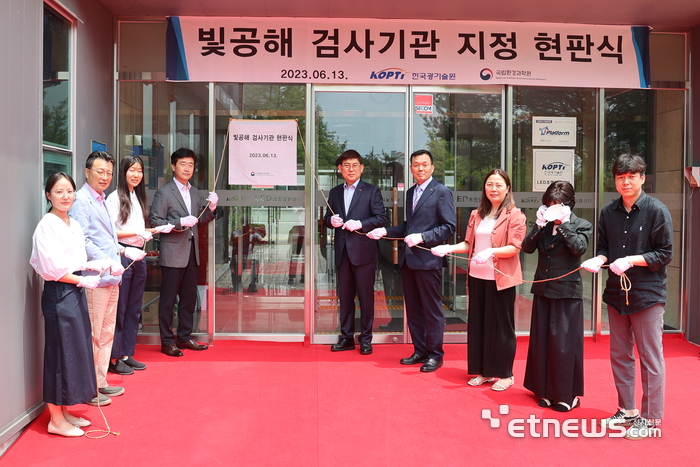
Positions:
(431, 365)
(171, 350)
(365, 348)
(345, 343)
(413, 359)
(191, 345)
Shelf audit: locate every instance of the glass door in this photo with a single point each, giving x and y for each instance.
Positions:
(373, 122)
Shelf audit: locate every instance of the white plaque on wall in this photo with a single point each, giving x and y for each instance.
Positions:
(554, 131)
(551, 165)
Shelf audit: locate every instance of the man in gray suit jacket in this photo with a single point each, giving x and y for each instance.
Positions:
(357, 207)
(178, 203)
(430, 221)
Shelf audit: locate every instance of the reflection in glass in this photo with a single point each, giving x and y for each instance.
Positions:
(56, 79)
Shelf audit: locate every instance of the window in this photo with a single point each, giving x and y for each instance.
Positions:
(57, 96)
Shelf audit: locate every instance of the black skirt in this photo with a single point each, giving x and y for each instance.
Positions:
(554, 366)
(69, 367)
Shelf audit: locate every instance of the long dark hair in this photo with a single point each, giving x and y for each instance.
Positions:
(51, 181)
(123, 190)
(508, 202)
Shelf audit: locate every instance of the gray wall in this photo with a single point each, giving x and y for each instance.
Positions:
(21, 23)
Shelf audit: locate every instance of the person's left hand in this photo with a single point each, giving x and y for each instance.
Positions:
(117, 269)
(167, 228)
(134, 254)
(352, 225)
(565, 214)
(413, 239)
(377, 233)
(621, 265)
(483, 256)
(213, 199)
(146, 235)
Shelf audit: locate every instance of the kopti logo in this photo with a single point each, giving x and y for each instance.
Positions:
(486, 74)
(388, 73)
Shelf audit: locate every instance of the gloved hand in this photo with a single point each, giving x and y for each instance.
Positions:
(99, 265)
(565, 214)
(146, 235)
(377, 233)
(336, 220)
(89, 282)
(483, 256)
(352, 225)
(134, 254)
(413, 239)
(116, 269)
(593, 264)
(213, 199)
(188, 221)
(167, 228)
(441, 250)
(541, 221)
(621, 265)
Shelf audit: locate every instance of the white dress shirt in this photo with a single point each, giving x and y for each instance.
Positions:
(57, 248)
(135, 222)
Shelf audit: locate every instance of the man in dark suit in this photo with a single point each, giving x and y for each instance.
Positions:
(356, 207)
(430, 220)
(178, 203)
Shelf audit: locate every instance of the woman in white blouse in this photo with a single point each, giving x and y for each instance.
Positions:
(128, 208)
(58, 252)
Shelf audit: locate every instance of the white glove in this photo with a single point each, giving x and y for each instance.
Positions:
(541, 221)
(483, 256)
(134, 254)
(352, 225)
(213, 199)
(188, 221)
(146, 235)
(336, 220)
(413, 239)
(565, 214)
(621, 265)
(89, 282)
(99, 265)
(167, 228)
(441, 250)
(377, 233)
(593, 264)
(117, 269)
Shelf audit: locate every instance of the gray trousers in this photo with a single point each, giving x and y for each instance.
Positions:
(645, 328)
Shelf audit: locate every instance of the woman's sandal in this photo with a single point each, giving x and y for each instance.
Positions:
(479, 380)
(564, 407)
(497, 386)
(544, 402)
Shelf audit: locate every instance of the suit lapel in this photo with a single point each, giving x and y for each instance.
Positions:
(355, 197)
(178, 196)
(101, 210)
(427, 193)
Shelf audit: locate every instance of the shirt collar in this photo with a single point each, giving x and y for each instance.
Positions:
(98, 196)
(353, 185)
(180, 186)
(425, 184)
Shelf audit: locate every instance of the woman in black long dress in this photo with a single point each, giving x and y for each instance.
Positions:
(554, 369)
(58, 251)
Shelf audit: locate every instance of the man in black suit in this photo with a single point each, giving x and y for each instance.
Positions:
(430, 220)
(178, 203)
(357, 207)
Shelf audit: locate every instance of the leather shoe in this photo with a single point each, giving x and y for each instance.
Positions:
(431, 365)
(171, 350)
(191, 345)
(413, 359)
(365, 348)
(344, 343)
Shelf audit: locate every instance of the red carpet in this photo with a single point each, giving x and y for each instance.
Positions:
(278, 404)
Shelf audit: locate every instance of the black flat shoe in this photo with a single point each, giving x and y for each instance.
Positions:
(413, 359)
(345, 343)
(365, 348)
(564, 407)
(431, 365)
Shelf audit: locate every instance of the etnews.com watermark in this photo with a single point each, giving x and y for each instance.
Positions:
(570, 428)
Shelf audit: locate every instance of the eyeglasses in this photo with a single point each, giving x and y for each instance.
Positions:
(103, 173)
(351, 166)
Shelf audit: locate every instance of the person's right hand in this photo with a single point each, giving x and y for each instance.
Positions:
(99, 265)
(441, 250)
(593, 264)
(377, 233)
(89, 282)
(146, 235)
(188, 221)
(336, 221)
(117, 269)
(167, 228)
(541, 221)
